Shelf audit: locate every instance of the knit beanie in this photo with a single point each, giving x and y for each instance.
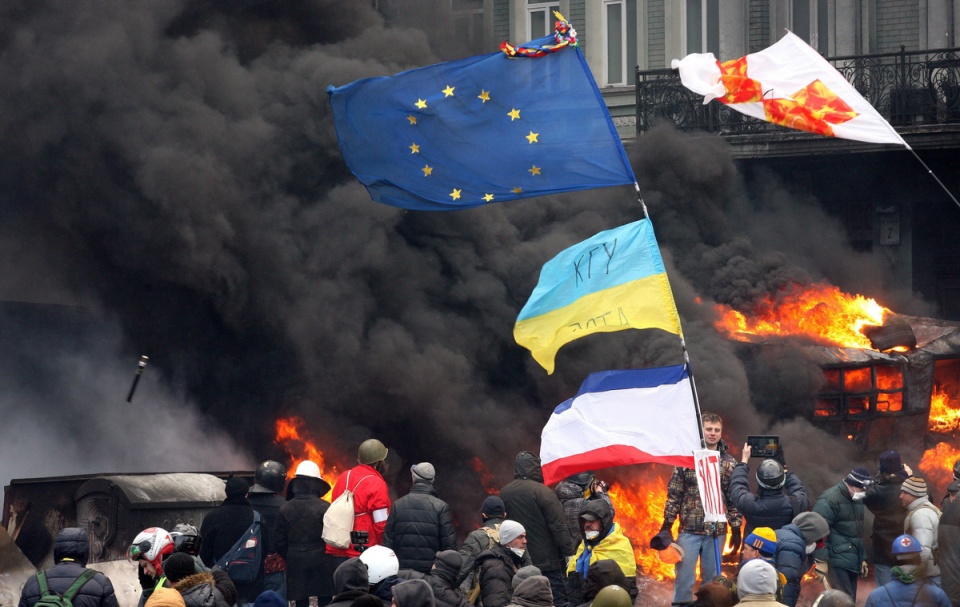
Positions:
(423, 472)
(178, 566)
(914, 486)
(236, 487)
(812, 526)
(509, 531)
(493, 507)
(523, 573)
(756, 577)
(269, 598)
(763, 539)
(858, 477)
(890, 462)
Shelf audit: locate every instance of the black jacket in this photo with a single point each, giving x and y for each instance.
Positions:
(883, 500)
(773, 508)
(350, 582)
(299, 540)
(419, 526)
(532, 504)
(497, 566)
(268, 505)
(70, 552)
(948, 538)
(220, 529)
(443, 580)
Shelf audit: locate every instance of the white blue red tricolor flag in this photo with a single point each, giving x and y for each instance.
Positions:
(622, 417)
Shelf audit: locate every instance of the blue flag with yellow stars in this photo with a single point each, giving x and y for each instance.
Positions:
(489, 128)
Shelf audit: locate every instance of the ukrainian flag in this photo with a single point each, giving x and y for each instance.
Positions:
(612, 281)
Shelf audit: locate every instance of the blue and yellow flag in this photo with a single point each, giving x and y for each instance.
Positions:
(612, 281)
(483, 129)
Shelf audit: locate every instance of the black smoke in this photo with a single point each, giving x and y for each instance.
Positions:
(171, 170)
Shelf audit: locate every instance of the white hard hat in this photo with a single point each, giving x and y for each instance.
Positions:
(381, 563)
(308, 468)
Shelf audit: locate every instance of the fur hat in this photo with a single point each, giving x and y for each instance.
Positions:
(509, 531)
(493, 507)
(812, 526)
(914, 486)
(423, 472)
(764, 540)
(756, 577)
(858, 477)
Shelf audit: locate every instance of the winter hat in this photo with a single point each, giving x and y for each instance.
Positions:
(890, 462)
(269, 598)
(764, 540)
(165, 597)
(812, 526)
(423, 472)
(413, 593)
(833, 598)
(178, 566)
(756, 577)
(914, 486)
(493, 507)
(509, 531)
(858, 477)
(236, 487)
(523, 573)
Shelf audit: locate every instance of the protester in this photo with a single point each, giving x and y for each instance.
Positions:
(842, 507)
(420, 523)
(761, 543)
(696, 538)
(492, 513)
(612, 596)
(197, 589)
(165, 597)
(537, 508)
(350, 582)
(603, 539)
(757, 584)
(187, 539)
(948, 537)
(499, 564)
(533, 592)
(573, 492)
(796, 544)
(908, 588)
(148, 550)
(71, 550)
(270, 598)
(921, 523)
(883, 500)
(833, 598)
(716, 594)
(522, 574)
(299, 538)
(382, 569)
(413, 593)
(604, 573)
(371, 499)
(224, 525)
(780, 494)
(265, 498)
(443, 579)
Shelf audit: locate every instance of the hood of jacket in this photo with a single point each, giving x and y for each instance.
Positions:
(166, 597)
(527, 466)
(72, 543)
(447, 565)
(600, 509)
(198, 590)
(413, 593)
(568, 490)
(603, 573)
(533, 592)
(351, 575)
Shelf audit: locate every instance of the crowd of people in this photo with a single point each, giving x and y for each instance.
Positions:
(535, 546)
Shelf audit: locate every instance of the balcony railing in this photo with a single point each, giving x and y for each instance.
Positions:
(907, 88)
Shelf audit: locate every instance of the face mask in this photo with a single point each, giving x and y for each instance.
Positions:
(592, 535)
(811, 548)
(858, 496)
(518, 551)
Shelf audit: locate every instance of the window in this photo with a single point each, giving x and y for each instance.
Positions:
(540, 18)
(620, 27)
(703, 26)
(860, 392)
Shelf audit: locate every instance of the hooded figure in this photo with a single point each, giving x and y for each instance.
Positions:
(199, 590)
(443, 579)
(533, 592)
(603, 539)
(796, 543)
(350, 582)
(605, 573)
(70, 553)
(413, 593)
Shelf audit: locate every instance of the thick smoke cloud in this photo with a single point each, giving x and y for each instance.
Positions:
(172, 169)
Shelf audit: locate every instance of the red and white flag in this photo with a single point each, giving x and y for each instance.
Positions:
(790, 84)
(708, 481)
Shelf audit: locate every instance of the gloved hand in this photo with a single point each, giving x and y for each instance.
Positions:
(736, 539)
(908, 470)
(864, 570)
(662, 539)
(820, 570)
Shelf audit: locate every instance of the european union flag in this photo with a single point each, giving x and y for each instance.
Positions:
(484, 129)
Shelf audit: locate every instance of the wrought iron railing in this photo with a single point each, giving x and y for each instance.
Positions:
(907, 88)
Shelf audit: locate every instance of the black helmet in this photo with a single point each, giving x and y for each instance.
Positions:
(770, 474)
(269, 478)
(186, 538)
(582, 479)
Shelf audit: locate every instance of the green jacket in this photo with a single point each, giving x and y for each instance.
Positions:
(844, 546)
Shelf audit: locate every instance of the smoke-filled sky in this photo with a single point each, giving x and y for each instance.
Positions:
(171, 180)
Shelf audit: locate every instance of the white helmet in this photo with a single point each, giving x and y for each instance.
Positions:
(151, 545)
(381, 563)
(308, 468)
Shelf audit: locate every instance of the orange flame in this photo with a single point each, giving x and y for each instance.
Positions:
(944, 414)
(820, 312)
(295, 440)
(487, 479)
(639, 512)
(937, 464)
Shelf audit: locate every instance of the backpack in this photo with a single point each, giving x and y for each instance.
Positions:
(242, 562)
(339, 517)
(493, 538)
(49, 598)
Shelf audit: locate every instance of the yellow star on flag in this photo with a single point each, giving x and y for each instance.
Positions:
(427, 170)
(514, 114)
(448, 92)
(488, 197)
(455, 194)
(412, 119)
(532, 137)
(484, 95)
(414, 148)
(535, 170)
(421, 104)
(518, 190)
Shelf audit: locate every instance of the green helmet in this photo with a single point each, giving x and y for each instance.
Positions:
(612, 596)
(370, 451)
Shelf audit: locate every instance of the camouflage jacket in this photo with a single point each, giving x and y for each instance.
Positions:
(683, 498)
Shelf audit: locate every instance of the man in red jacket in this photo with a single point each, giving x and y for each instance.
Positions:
(371, 500)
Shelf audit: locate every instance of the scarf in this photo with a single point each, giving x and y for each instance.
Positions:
(904, 576)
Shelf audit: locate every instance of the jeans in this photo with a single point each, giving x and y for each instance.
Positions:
(841, 579)
(694, 547)
(555, 576)
(882, 573)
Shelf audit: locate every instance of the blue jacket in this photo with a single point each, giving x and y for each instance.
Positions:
(771, 508)
(792, 561)
(897, 594)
